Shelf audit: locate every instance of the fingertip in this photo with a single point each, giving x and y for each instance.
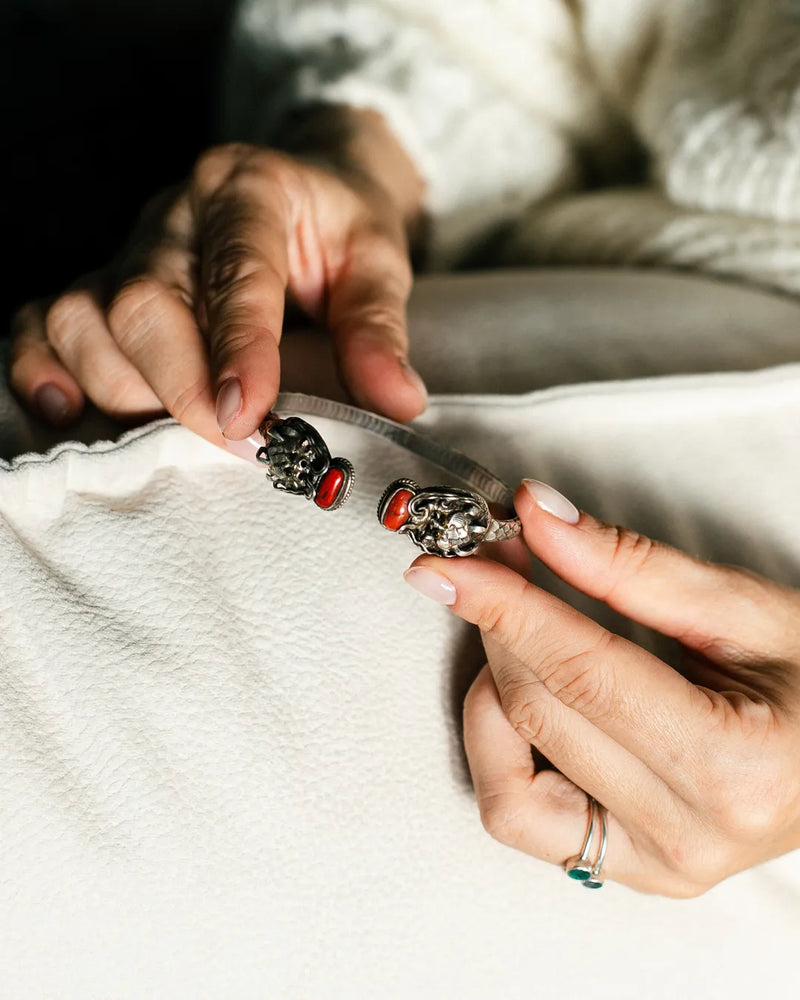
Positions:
(57, 406)
(431, 584)
(533, 495)
(42, 382)
(229, 404)
(242, 401)
(466, 586)
(418, 388)
(387, 385)
(247, 379)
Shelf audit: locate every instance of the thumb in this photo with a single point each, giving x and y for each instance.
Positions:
(367, 320)
(706, 606)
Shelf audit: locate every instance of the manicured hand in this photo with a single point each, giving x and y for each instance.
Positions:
(699, 769)
(189, 318)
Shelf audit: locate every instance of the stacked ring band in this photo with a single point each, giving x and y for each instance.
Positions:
(579, 867)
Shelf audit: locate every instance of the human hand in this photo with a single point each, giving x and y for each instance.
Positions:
(189, 318)
(698, 770)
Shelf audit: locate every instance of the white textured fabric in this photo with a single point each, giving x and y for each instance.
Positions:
(508, 105)
(229, 753)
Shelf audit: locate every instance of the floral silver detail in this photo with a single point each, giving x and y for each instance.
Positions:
(297, 459)
(444, 520)
(447, 522)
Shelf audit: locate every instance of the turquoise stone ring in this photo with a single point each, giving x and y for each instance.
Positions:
(579, 867)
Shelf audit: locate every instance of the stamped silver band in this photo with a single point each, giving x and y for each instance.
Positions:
(441, 520)
(478, 478)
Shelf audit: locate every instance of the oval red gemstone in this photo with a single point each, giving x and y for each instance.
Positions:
(395, 513)
(329, 488)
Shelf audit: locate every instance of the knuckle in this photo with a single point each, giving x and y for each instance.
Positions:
(527, 707)
(26, 321)
(687, 867)
(22, 364)
(702, 873)
(26, 332)
(235, 339)
(472, 705)
(631, 553)
(67, 318)
(683, 888)
(135, 309)
(741, 817)
(560, 796)
(687, 855)
(504, 620)
(214, 166)
(181, 402)
(747, 793)
(17, 365)
(385, 256)
(695, 863)
(379, 322)
(236, 173)
(121, 393)
(235, 270)
(576, 681)
(501, 818)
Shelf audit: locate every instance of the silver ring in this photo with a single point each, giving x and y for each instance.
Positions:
(298, 461)
(579, 867)
(442, 520)
(595, 880)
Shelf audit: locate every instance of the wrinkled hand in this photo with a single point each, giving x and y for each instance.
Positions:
(190, 317)
(698, 770)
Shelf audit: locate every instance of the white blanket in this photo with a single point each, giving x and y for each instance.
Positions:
(229, 753)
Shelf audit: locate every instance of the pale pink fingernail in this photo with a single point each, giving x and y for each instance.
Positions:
(229, 402)
(437, 588)
(54, 404)
(414, 379)
(247, 448)
(552, 501)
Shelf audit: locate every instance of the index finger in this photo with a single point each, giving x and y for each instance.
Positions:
(244, 219)
(632, 696)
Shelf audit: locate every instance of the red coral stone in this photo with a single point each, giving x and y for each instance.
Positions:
(329, 488)
(396, 513)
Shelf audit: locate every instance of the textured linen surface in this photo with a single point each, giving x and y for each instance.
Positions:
(230, 763)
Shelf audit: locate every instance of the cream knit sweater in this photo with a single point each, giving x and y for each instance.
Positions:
(530, 118)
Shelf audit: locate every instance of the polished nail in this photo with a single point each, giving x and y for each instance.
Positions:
(414, 379)
(437, 588)
(229, 402)
(54, 404)
(552, 501)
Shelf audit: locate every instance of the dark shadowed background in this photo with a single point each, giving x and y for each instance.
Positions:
(104, 103)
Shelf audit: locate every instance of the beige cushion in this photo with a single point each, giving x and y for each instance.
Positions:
(230, 763)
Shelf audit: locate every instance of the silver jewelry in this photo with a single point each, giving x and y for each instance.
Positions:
(453, 462)
(298, 461)
(579, 867)
(595, 880)
(442, 520)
